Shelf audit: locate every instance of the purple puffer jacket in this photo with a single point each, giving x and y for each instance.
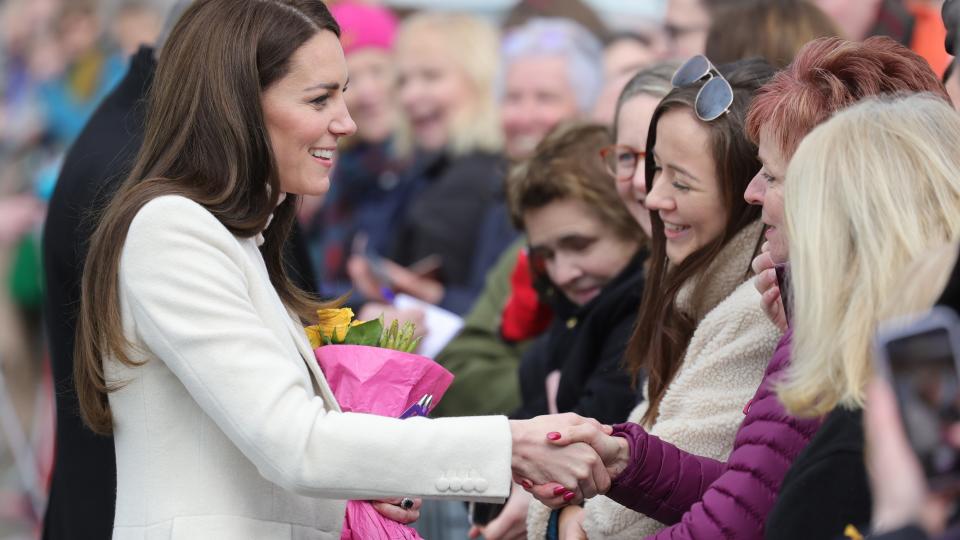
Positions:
(703, 498)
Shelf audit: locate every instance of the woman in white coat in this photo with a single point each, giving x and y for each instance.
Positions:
(190, 345)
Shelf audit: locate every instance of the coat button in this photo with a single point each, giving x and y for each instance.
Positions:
(456, 483)
(572, 323)
(480, 484)
(443, 484)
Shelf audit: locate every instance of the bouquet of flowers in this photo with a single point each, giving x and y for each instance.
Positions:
(371, 368)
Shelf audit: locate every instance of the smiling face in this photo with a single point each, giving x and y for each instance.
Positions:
(434, 91)
(305, 115)
(537, 97)
(632, 126)
(686, 192)
(580, 252)
(766, 189)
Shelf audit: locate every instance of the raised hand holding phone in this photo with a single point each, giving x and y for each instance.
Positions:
(911, 422)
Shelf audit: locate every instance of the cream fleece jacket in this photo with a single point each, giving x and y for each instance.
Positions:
(703, 406)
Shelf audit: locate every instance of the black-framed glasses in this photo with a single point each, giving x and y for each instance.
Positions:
(622, 160)
(715, 96)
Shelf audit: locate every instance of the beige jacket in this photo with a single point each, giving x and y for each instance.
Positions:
(228, 429)
(703, 406)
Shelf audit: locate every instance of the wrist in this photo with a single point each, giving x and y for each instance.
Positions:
(516, 442)
(621, 459)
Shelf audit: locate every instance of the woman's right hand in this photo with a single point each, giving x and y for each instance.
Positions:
(576, 467)
(614, 452)
(769, 289)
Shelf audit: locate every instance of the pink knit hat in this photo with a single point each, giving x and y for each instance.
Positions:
(364, 25)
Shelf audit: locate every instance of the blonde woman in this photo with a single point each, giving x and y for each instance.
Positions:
(851, 243)
(447, 65)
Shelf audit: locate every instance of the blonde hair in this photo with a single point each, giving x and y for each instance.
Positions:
(921, 284)
(868, 193)
(473, 44)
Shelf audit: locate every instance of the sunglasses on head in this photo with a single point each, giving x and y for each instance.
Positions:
(715, 96)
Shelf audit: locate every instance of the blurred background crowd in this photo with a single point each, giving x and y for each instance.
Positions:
(446, 95)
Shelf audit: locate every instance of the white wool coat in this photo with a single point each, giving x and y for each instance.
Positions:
(228, 429)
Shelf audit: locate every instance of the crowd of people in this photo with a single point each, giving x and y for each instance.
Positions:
(671, 245)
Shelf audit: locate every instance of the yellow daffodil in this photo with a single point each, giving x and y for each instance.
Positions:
(313, 334)
(334, 323)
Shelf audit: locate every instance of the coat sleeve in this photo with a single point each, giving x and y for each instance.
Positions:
(662, 481)
(183, 283)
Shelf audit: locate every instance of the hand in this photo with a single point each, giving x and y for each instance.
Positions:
(571, 523)
(364, 280)
(511, 524)
(613, 451)
(391, 509)
(407, 281)
(900, 495)
(577, 467)
(766, 284)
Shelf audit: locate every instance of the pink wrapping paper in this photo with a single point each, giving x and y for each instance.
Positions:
(384, 382)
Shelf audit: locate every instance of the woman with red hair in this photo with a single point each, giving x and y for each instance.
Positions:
(705, 498)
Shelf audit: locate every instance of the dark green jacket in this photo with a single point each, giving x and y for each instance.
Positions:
(484, 365)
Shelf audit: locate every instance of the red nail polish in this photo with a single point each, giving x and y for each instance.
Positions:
(568, 496)
(558, 490)
(553, 436)
(526, 484)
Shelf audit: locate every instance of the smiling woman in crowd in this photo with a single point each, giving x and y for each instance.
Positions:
(702, 338)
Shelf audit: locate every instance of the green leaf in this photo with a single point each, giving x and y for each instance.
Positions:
(367, 333)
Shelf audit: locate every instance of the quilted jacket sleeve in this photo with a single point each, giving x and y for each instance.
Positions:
(662, 480)
(728, 500)
(736, 505)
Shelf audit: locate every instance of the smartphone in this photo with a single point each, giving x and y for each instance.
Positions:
(783, 283)
(919, 358)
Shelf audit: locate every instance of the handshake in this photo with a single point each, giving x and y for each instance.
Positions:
(564, 458)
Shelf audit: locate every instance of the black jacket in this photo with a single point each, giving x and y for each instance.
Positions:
(448, 202)
(586, 344)
(826, 489)
(83, 483)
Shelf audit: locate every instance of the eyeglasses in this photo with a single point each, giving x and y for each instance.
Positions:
(715, 96)
(622, 160)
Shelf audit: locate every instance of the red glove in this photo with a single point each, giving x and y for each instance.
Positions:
(524, 316)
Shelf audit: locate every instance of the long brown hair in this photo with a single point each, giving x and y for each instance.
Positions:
(660, 338)
(205, 139)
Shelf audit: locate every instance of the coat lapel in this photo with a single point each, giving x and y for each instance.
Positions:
(292, 324)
